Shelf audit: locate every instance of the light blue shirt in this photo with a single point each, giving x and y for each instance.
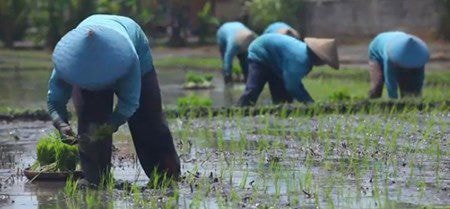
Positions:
(276, 26)
(378, 52)
(226, 38)
(127, 88)
(288, 58)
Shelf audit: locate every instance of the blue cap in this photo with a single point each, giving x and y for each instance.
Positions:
(93, 57)
(408, 52)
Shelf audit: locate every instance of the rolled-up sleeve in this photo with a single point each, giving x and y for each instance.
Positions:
(59, 93)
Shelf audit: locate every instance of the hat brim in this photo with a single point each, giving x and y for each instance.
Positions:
(408, 52)
(325, 49)
(93, 57)
(289, 32)
(244, 38)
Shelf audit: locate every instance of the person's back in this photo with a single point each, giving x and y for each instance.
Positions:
(282, 28)
(233, 39)
(397, 59)
(228, 31)
(283, 61)
(282, 53)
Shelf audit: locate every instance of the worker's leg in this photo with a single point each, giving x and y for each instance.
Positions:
(93, 109)
(257, 78)
(222, 48)
(151, 135)
(410, 82)
(376, 79)
(278, 90)
(244, 64)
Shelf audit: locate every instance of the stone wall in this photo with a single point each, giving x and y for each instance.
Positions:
(365, 18)
(357, 18)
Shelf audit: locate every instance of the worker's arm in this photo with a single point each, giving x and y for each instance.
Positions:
(230, 52)
(128, 90)
(144, 52)
(294, 86)
(390, 78)
(376, 79)
(59, 93)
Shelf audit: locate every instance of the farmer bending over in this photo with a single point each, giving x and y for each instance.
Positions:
(233, 39)
(282, 28)
(397, 59)
(103, 56)
(283, 61)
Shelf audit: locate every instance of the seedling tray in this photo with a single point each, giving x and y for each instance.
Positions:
(51, 176)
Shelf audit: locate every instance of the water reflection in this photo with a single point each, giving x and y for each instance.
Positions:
(28, 89)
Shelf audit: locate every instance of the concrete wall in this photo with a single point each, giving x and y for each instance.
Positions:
(356, 18)
(365, 18)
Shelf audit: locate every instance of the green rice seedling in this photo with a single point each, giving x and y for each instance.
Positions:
(70, 189)
(193, 100)
(66, 156)
(46, 149)
(51, 151)
(107, 182)
(91, 199)
(136, 194)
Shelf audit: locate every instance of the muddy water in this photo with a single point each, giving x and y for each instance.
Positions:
(242, 152)
(28, 89)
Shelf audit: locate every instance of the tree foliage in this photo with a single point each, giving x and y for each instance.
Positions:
(206, 22)
(13, 20)
(264, 12)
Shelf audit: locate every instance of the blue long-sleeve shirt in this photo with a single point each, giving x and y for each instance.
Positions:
(127, 88)
(229, 48)
(378, 51)
(276, 26)
(288, 58)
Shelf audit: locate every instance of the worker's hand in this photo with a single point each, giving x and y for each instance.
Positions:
(66, 130)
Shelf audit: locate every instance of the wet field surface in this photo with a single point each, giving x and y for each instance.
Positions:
(401, 160)
(27, 88)
(329, 161)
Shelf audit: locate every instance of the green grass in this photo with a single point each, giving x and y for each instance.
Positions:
(24, 59)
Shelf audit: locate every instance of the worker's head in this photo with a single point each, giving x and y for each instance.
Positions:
(408, 52)
(93, 57)
(290, 32)
(244, 38)
(325, 50)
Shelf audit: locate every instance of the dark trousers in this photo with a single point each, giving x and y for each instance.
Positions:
(151, 135)
(258, 76)
(410, 81)
(243, 62)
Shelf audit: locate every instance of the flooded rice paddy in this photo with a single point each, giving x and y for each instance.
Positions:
(326, 161)
(357, 160)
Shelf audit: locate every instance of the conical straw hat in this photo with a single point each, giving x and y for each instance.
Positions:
(244, 38)
(325, 49)
(408, 51)
(289, 32)
(93, 57)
